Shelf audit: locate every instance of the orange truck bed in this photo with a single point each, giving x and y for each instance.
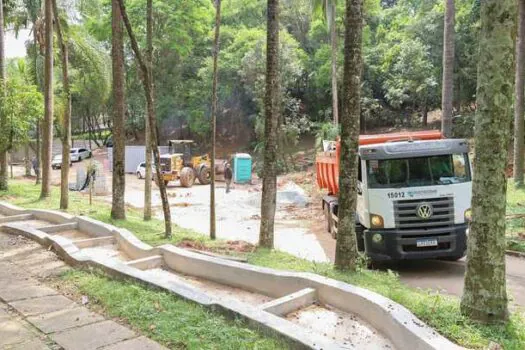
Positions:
(327, 163)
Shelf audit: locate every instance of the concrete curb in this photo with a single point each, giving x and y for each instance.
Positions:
(394, 321)
(515, 253)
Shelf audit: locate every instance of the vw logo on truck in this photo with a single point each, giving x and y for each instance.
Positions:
(425, 210)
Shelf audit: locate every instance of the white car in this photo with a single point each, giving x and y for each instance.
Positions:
(141, 170)
(78, 154)
(56, 163)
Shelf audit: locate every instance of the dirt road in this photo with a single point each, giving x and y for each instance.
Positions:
(299, 230)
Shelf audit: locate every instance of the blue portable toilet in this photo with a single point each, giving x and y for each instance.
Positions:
(242, 168)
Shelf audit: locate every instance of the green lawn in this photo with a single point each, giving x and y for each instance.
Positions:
(515, 225)
(439, 311)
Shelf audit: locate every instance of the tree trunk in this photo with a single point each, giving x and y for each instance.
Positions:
(519, 108)
(118, 209)
(346, 246)
(425, 114)
(333, 42)
(147, 141)
(447, 95)
(47, 129)
(271, 128)
(38, 152)
(27, 161)
(485, 296)
(150, 104)
(66, 122)
(214, 102)
(3, 118)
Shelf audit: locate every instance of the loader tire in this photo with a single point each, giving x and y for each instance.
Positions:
(187, 177)
(204, 176)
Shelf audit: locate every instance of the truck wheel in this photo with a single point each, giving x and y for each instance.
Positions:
(187, 177)
(359, 235)
(204, 176)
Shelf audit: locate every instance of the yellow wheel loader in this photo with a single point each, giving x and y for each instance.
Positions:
(182, 164)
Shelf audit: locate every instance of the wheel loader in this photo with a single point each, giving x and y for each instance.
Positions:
(183, 163)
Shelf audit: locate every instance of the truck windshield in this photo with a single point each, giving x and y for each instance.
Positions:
(414, 172)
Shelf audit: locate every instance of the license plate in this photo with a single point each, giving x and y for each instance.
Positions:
(427, 243)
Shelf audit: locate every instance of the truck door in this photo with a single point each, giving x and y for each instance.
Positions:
(361, 193)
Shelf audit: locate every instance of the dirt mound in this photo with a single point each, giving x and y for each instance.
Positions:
(227, 247)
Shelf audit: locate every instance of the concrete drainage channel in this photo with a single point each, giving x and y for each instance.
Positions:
(308, 310)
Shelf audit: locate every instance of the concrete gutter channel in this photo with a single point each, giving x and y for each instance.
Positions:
(263, 297)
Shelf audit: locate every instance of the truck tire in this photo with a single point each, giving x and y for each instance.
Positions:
(187, 177)
(204, 176)
(359, 236)
(327, 218)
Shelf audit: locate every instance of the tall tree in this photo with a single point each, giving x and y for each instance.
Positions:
(147, 83)
(447, 94)
(33, 8)
(47, 125)
(485, 295)
(519, 99)
(149, 60)
(3, 148)
(346, 247)
(214, 102)
(271, 127)
(118, 209)
(329, 11)
(66, 122)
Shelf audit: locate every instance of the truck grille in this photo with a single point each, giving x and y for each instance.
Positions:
(407, 218)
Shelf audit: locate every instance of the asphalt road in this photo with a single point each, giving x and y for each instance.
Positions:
(447, 277)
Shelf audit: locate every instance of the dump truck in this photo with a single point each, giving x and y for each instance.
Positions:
(413, 195)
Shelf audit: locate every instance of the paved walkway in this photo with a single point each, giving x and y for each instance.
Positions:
(35, 316)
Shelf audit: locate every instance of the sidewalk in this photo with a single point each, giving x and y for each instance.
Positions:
(35, 316)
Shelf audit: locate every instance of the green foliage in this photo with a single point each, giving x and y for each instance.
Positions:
(22, 106)
(402, 62)
(325, 131)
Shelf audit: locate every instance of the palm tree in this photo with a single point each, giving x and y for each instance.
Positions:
(149, 59)
(271, 128)
(346, 247)
(328, 8)
(519, 108)
(214, 114)
(118, 210)
(485, 296)
(3, 150)
(147, 83)
(448, 69)
(47, 129)
(33, 8)
(66, 122)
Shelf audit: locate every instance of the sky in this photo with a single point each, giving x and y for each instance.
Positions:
(15, 47)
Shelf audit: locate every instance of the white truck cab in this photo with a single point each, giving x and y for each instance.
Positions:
(413, 200)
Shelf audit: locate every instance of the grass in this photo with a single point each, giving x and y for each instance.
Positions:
(439, 311)
(515, 225)
(161, 316)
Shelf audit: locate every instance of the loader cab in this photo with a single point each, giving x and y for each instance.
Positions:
(186, 148)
